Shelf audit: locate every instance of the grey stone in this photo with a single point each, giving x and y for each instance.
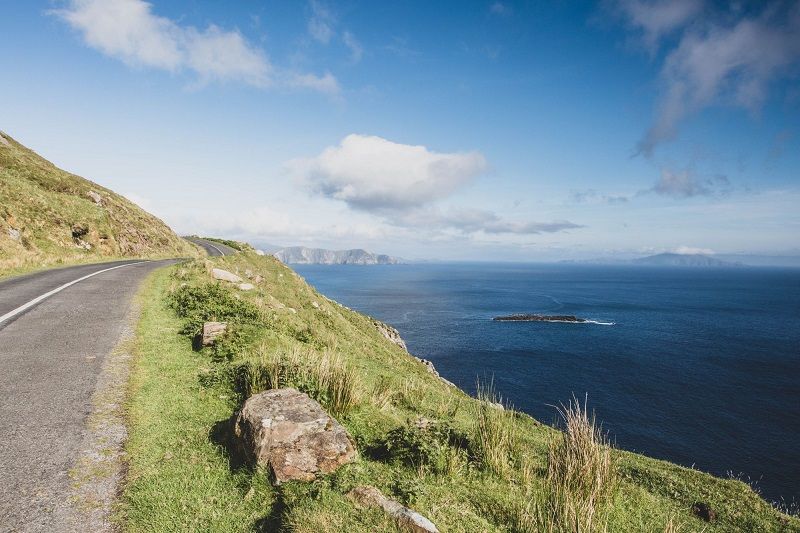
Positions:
(292, 435)
(407, 519)
(224, 275)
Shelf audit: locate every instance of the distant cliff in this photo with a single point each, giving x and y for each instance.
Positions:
(318, 256)
(684, 260)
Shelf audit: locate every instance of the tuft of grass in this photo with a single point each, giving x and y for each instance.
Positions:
(581, 478)
(493, 439)
(326, 377)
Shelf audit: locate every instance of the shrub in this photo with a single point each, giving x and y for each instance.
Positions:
(426, 446)
(211, 302)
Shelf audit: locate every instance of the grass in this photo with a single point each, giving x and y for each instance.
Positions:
(49, 217)
(460, 461)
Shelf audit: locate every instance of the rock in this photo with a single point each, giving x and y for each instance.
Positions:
(212, 330)
(224, 275)
(14, 233)
(315, 305)
(258, 278)
(406, 518)
(539, 318)
(4, 141)
(246, 286)
(260, 252)
(703, 511)
(96, 197)
(390, 333)
(290, 433)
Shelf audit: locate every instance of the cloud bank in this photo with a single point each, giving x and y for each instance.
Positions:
(128, 30)
(402, 184)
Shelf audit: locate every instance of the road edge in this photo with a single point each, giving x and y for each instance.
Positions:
(98, 474)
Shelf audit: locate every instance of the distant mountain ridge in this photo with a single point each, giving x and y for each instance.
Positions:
(684, 260)
(300, 255)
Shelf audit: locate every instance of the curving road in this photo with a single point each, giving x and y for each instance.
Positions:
(56, 329)
(214, 249)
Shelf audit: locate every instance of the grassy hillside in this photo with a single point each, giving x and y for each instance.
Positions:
(49, 216)
(460, 461)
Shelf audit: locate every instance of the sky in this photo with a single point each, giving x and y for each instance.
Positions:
(469, 130)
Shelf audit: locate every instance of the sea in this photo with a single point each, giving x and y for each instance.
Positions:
(693, 365)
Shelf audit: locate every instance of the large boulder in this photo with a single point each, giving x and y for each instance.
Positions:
(407, 519)
(289, 433)
(224, 275)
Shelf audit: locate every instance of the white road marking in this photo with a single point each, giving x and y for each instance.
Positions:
(214, 247)
(46, 295)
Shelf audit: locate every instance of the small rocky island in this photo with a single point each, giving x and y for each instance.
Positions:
(539, 318)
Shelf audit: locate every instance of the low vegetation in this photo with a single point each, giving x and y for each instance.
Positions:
(50, 217)
(468, 464)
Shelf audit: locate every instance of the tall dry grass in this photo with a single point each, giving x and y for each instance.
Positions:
(581, 478)
(494, 434)
(324, 376)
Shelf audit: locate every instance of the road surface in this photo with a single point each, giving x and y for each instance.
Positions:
(213, 248)
(51, 353)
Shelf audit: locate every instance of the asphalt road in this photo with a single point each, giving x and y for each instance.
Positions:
(214, 249)
(50, 356)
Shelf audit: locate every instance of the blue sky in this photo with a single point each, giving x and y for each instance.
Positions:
(464, 130)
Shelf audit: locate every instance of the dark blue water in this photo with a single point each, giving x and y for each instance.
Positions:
(701, 367)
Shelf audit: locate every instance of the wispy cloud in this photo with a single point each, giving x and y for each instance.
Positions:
(470, 221)
(322, 27)
(594, 196)
(352, 44)
(128, 30)
(321, 22)
(730, 55)
(501, 8)
(685, 184)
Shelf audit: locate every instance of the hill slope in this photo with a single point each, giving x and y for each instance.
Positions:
(463, 463)
(49, 216)
(320, 256)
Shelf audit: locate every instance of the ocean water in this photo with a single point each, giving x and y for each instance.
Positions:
(700, 367)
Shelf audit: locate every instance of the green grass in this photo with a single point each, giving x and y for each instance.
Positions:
(458, 460)
(48, 218)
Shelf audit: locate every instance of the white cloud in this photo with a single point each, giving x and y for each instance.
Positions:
(727, 58)
(128, 30)
(689, 250)
(372, 173)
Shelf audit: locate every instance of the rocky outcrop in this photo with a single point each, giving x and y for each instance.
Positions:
(539, 318)
(246, 286)
(407, 519)
(224, 275)
(318, 256)
(390, 333)
(289, 433)
(95, 197)
(212, 330)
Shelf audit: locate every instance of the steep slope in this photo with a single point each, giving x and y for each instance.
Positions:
(465, 464)
(49, 216)
(320, 256)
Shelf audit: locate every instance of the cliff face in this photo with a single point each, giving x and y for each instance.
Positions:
(318, 256)
(48, 215)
